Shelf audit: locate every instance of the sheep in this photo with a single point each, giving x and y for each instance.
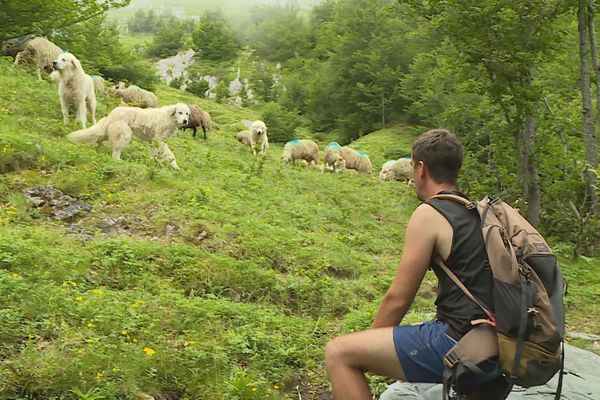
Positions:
(357, 160)
(396, 170)
(99, 85)
(199, 118)
(333, 158)
(136, 95)
(258, 133)
(306, 150)
(244, 137)
(44, 52)
(11, 47)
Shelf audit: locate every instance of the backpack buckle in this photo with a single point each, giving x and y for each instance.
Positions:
(451, 359)
(471, 206)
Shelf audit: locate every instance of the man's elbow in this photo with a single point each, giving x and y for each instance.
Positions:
(396, 301)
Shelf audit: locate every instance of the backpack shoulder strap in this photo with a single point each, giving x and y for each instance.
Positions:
(456, 198)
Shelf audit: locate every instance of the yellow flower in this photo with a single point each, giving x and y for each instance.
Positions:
(78, 298)
(14, 274)
(73, 283)
(99, 375)
(123, 332)
(98, 292)
(254, 389)
(135, 340)
(276, 387)
(89, 325)
(149, 351)
(80, 351)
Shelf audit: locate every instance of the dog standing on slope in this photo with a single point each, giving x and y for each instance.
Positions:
(75, 88)
(147, 124)
(258, 133)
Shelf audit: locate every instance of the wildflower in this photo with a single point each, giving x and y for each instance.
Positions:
(80, 351)
(135, 340)
(276, 387)
(98, 292)
(14, 275)
(73, 283)
(99, 375)
(78, 298)
(90, 325)
(149, 351)
(123, 332)
(253, 389)
(5, 149)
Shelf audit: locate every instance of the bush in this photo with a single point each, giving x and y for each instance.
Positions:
(280, 122)
(198, 87)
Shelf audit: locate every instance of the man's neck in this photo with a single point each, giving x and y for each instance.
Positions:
(439, 187)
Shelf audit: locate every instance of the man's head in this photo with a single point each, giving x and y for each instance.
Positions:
(441, 153)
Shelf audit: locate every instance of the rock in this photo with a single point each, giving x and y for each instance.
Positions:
(171, 230)
(62, 206)
(580, 382)
(75, 232)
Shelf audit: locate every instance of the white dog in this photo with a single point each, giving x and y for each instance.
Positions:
(75, 88)
(258, 133)
(148, 124)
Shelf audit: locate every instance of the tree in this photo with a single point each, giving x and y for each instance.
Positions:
(213, 39)
(510, 46)
(41, 17)
(168, 39)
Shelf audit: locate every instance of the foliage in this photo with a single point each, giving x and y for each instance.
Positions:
(43, 17)
(169, 38)
(213, 39)
(281, 123)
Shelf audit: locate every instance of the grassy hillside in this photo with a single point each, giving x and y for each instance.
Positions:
(221, 281)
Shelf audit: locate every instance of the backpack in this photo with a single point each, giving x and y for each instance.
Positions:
(528, 289)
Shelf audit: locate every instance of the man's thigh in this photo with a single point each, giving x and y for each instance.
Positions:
(369, 351)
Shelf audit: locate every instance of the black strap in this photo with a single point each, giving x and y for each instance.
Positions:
(526, 300)
(561, 373)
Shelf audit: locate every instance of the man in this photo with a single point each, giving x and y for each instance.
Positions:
(437, 230)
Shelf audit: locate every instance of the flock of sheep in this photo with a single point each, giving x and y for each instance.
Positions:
(77, 89)
(335, 157)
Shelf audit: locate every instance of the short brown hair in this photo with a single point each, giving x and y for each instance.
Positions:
(442, 152)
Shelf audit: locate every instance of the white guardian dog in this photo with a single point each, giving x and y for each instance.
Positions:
(148, 124)
(75, 88)
(258, 134)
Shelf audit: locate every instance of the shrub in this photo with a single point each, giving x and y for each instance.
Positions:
(281, 122)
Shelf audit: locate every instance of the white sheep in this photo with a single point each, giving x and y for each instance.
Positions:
(396, 170)
(306, 150)
(357, 160)
(44, 52)
(258, 134)
(333, 159)
(99, 85)
(136, 95)
(244, 137)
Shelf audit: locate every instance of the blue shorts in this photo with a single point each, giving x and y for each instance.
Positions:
(421, 350)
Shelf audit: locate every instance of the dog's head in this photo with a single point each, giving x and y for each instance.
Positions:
(181, 113)
(259, 128)
(66, 62)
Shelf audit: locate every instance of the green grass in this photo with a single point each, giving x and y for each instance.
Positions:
(138, 40)
(269, 261)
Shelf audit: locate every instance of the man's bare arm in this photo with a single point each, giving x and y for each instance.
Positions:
(419, 245)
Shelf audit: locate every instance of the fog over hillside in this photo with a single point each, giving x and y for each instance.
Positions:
(197, 7)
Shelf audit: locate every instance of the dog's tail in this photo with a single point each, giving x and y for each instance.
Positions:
(92, 135)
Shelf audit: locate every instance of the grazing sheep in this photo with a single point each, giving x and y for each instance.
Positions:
(258, 133)
(44, 52)
(306, 150)
(333, 158)
(396, 170)
(11, 47)
(99, 84)
(199, 118)
(357, 160)
(136, 95)
(75, 88)
(244, 137)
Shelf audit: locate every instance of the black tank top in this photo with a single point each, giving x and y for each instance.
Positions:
(468, 260)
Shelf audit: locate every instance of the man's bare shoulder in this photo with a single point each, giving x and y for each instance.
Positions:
(426, 213)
